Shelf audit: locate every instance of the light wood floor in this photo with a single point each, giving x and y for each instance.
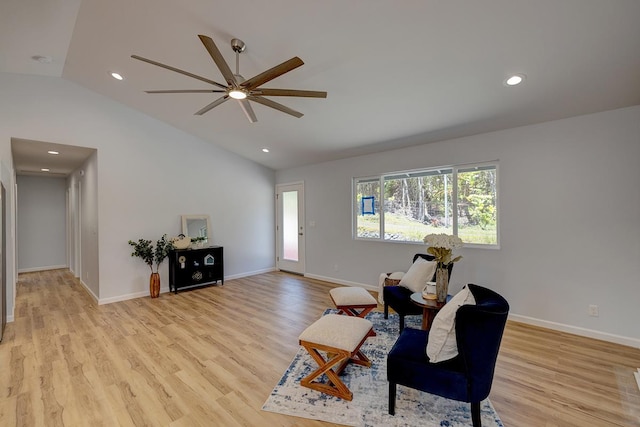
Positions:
(210, 357)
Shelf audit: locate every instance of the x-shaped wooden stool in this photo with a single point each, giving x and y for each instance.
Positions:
(340, 338)
(353, 301)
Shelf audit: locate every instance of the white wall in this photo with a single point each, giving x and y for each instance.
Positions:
(569, 218)
(148, 174)
(82, 187)
(42, 226)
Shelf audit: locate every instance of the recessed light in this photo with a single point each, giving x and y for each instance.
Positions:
(117, 76)
(514, 80)
(265, 150)
(53, 152)
(44, 170)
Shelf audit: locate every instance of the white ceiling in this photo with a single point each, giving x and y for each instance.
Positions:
(397, 72)
(29, 157)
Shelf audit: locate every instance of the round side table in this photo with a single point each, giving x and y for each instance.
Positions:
(430, 308)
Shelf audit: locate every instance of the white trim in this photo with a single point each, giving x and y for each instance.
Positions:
(576, 330)
(95, 298)
(342, 282)
(48, 267)
(637, 375)
(250, 273)
(441, 170)
(299, 266)
(126, 297)
(165, 289)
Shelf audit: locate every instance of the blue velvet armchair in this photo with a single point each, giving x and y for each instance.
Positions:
(468, 376)
(399, 297)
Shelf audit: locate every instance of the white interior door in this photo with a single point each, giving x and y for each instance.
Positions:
(290, 227)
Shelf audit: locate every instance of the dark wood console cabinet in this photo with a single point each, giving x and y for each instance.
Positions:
(195, 267)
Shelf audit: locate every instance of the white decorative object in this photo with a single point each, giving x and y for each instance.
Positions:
(442, 335)
(181, 242)
(429, 291)
(419, 274)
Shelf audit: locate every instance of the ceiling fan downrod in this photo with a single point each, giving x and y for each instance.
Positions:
(238, 47)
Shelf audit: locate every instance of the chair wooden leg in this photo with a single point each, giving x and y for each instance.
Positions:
(475, 414)
(392, 398)
(401, 322)
(386, 310)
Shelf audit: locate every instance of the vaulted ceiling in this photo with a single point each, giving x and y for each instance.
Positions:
(397, 73)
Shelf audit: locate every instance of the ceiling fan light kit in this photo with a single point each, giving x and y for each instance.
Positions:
(237, 94)
(236, 86)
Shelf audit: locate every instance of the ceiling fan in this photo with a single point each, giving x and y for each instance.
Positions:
(237, 87)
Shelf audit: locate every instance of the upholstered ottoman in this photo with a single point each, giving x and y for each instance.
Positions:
(339, 338)
(353, 301)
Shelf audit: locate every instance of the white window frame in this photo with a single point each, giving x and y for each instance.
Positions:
(454, 202)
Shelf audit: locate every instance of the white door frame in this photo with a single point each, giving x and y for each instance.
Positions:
(281, 263)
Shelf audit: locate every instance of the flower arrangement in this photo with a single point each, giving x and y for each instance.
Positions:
(441, 247)
(151, 256)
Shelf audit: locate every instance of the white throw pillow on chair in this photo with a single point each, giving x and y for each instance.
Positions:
(419, 274)
(442, 344)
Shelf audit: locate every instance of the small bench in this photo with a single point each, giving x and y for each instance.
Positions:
(353, 301)
(340, 338)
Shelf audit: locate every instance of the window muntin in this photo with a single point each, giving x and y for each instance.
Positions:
(459, 200)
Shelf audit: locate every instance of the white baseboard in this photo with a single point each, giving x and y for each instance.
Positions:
(34, 269)
(637, 375)
(250, 273)
(141, 294)
(342, 282)
(576, 330)
(126, 297)
(164, 289)
(89, 291)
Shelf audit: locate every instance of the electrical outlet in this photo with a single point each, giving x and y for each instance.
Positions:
(593, 310)
(335, 267)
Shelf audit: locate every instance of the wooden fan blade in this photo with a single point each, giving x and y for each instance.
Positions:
(187, 91)
(212, 105)
(219, 60)
(277, 106)
(289, 92)
(177, 70)
(272, 73)
(248, 111)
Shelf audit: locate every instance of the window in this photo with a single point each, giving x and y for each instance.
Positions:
(368, 220)
(406, 206)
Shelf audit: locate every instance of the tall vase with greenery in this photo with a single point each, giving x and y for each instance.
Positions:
(153, 257)
(441, 247)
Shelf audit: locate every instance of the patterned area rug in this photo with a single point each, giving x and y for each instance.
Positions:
(370, 388)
